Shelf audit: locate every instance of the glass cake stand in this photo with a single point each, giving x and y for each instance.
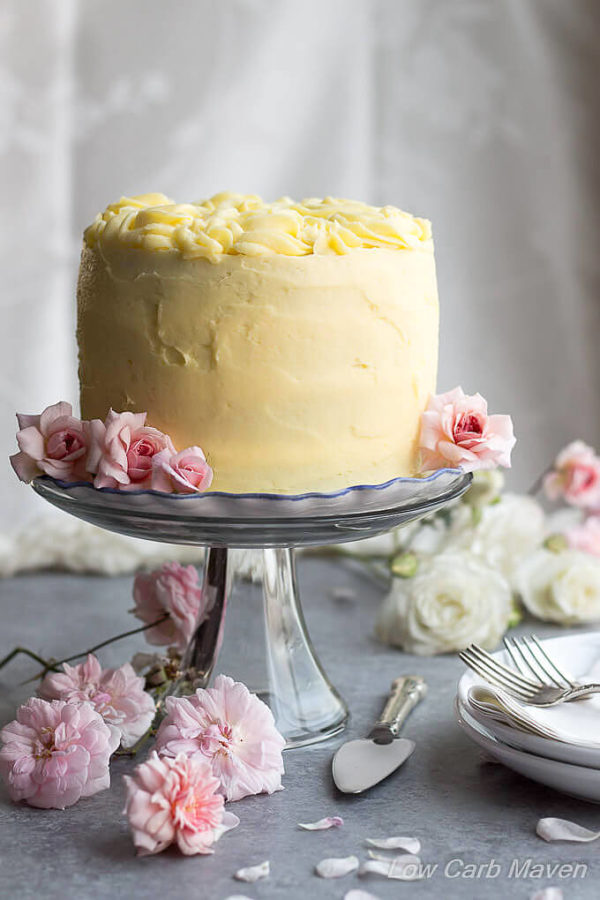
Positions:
(272, 651)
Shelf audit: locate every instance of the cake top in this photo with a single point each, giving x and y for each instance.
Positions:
(244, 224)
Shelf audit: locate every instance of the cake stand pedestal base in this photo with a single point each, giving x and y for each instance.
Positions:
(267, 646)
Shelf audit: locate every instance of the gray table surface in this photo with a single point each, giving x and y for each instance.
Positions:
(459, 805)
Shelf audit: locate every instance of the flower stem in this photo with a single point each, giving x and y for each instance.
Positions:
(537, 484)
(52, 665)
(111, 640)
(18, 650)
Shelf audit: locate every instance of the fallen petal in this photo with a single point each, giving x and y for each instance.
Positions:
(563, 830)
(406, 868)
(403, 868)
(550, 893)
(322, 824)
(358, 895)
(337, 868)
(383, 857)
(230, 820)
(410, 844)
(375, 867)
(253, 873)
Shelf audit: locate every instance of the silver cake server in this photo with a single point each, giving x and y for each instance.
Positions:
(358, 765)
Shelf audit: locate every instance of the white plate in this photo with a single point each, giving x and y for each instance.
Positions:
(577, 654)
(532, 743)
(577, 781)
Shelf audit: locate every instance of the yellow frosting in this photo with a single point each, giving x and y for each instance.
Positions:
(293, 371)
(244, 224)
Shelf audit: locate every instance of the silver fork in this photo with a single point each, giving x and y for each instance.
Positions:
(536, 679)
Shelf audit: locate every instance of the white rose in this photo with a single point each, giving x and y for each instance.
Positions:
(454, 600)
(509, 531)
(57, 541)
(561, 587)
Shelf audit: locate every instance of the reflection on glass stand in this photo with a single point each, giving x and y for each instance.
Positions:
(269, 647)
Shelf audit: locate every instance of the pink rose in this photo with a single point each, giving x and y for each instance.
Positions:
(585, 537)
(173, 590)
(232, 729)
(184, 473)
(118, 695)
(456, 431)
(174, 801)
(54, 443)
(56, 752)
(575, 476)
(122, 448)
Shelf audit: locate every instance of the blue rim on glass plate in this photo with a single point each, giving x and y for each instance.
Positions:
(403, 492)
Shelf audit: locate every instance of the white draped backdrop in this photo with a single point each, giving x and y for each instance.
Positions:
(479, 114)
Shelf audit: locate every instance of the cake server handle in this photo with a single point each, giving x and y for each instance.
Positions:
(405, 693)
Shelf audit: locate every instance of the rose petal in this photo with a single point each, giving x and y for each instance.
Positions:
(229, 821)
(25, 421)
(410, 844)
(254, 873)
(337, 867)
(359, 895)
(31, 442)
(383, 857)
(549, 893)
(322, 824)
(403, 868)
(563, 830)
(24, 466)
(406, 868)
(375, 867)
(51, 413)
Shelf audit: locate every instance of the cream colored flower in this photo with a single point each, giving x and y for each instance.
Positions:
(561, 587)
(454, 600)
(486, 487)
(509, 531)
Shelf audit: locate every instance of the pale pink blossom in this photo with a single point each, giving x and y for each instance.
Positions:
(183, 473)
(54, 443)
(575, 476)
(585, 537)
(251, 874)
(56, 752)
(122, 448)
(175, 801)
(322, 824)
(233, 729)
(173, 590)
(456, 431)
(117, 694)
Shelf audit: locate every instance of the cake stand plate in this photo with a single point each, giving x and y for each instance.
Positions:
(281, 665)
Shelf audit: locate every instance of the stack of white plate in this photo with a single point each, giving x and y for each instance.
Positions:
(572, 767)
